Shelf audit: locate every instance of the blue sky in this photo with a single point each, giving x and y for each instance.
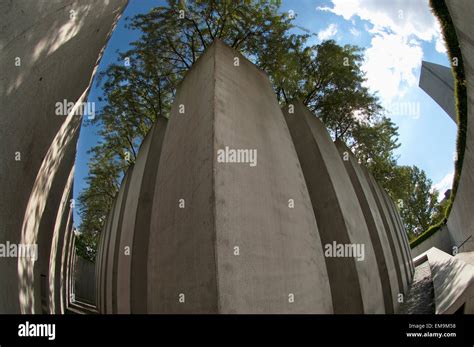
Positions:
(396, 36)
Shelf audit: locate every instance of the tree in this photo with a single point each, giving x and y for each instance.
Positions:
(416, 200)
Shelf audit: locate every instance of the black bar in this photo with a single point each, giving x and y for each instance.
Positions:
(224, 329)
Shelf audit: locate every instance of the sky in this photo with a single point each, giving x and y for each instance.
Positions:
(396, 36)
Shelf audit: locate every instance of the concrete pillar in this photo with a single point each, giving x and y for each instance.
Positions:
(84, 281)
(128, 228)
(113, 230)
(65, 265)
(235, 246)
(105, 257)
(378, 234)
(391, 232)
(141, 235)
(406, 242)
(116, 238)
(438, 82)
(71, 251)
(338, 214)
(97, 270)
(134, 225)
(49, 52)
(62, 268)
(58, 239)
(399, 234)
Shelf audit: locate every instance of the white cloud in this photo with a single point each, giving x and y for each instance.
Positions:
(404, 17)
(398, 27)
(355, 32)
(390, 65)
(443, 185)
(327, 33)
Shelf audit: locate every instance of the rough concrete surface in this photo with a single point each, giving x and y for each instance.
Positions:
(441, 240)
(453, 282)
(396, 252)
(338, 214)
(279, 265)
(438, 82)
(43, 35)
(378, 234)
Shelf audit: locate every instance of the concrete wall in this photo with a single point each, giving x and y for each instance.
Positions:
(399, 235)
(461, 218)
(84, 281)
(49, 54)
(122, 257)
(338, 214)
(63, 222)
(377, 232)
(402, 276)
(441, 240)
(139, 266)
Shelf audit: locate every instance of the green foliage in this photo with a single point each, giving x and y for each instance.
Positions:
(427, 234)
(418, 201)
(86, 245)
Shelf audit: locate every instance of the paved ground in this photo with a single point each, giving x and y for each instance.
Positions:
(420, 297)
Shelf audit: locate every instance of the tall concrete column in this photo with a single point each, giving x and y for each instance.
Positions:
(398, 233)
(119, 251)
(63, 260)
(37, 41)
(141, 235)
(391, 233)
(123, 246)
(338, 214)
(406, 242)
(104, 256)
(225, 236)
(438, 82)
(378, 234)
(56, 249)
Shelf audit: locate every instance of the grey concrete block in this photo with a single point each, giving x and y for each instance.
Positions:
(42, 37)
(229, 205)
(338, 214)
(103, 258)
(62, 276)
(139, 261)
(59, 231)
(406, 242)
(84, 281)
(113, 247)
(390, 232)
(116, 268)
(438, 82)
(398, 233)
(378, 236)
(453, 282)
(441, 240)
